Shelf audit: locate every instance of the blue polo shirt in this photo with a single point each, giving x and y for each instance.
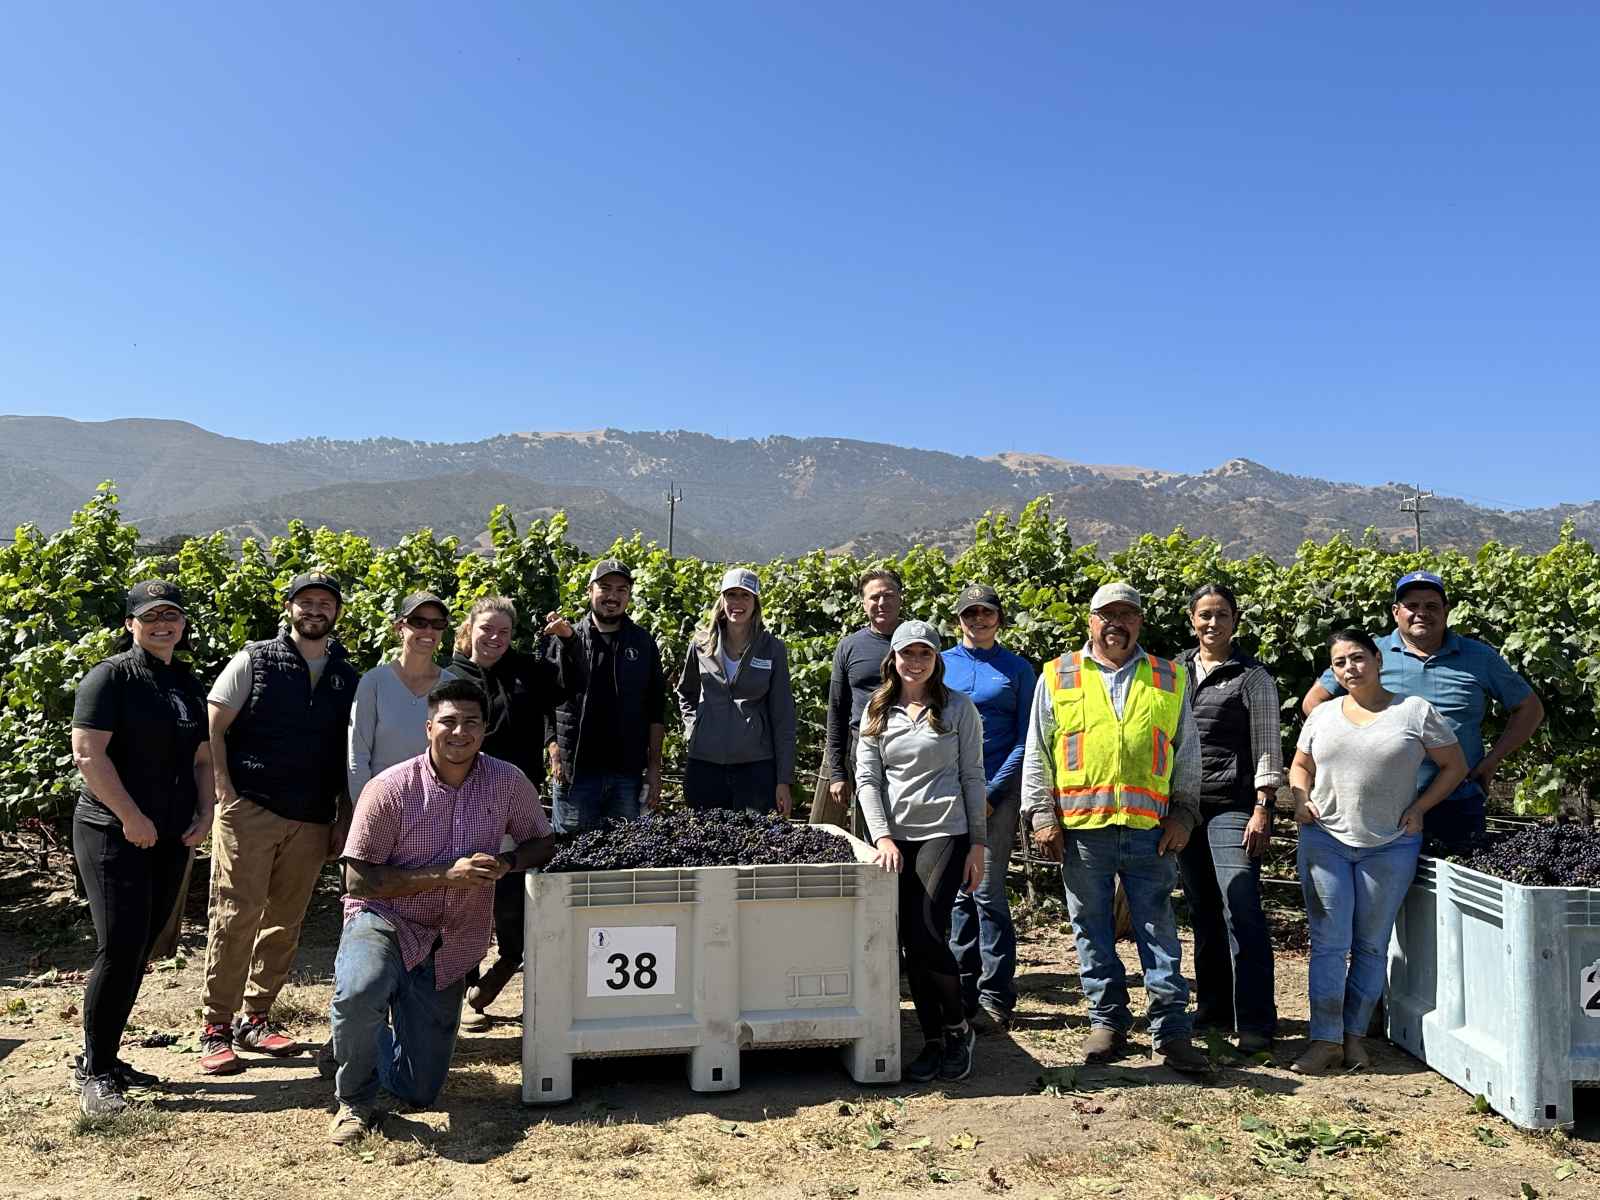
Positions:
(1001, 684)
(1458, 680)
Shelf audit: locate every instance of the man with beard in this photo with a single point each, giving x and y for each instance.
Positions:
(612, 719)
(857, 672)
(1111, 789)
(279, 713)
(1457, 675)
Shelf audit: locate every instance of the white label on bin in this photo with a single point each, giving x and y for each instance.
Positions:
(633, 960)
(1589, 990)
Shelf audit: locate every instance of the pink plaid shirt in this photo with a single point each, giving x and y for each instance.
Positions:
(408, 817)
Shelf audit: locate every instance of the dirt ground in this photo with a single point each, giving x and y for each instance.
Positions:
(1027, 1123)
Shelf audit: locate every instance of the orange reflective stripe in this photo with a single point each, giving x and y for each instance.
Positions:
(1139, 791)
(1163, 672)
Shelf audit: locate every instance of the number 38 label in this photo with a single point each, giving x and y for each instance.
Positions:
(1589, 989)
(633, 960)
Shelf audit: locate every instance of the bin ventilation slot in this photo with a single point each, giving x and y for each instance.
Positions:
(598, 889)
(1583, 908)
(1427, 872)
(1483, 894)
(829, 881)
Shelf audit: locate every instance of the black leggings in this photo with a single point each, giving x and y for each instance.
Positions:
(131, 895)
(510, 891)
(929, 881)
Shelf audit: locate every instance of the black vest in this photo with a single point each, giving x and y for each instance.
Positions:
(1228, 772)
(286, 749)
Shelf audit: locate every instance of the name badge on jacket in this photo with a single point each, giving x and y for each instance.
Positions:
(761, 664)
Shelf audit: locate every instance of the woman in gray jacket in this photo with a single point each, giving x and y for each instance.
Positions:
(738, 706)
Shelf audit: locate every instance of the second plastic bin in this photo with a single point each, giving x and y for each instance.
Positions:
(1496, 986)
(710, 961)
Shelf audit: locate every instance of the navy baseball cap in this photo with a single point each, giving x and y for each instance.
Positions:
(1421, 579)
(314, 579)
(153, 593)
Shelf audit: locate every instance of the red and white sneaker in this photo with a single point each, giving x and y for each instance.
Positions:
(255, 1032)
(216, 1051)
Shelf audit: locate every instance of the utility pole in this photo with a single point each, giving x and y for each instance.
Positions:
(1413, 504)
(674, 498)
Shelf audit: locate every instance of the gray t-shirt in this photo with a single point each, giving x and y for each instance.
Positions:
(232, 688)
(1367, 774)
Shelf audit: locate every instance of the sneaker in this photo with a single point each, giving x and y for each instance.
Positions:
(926, 1065)
(1105, 1044)
(490, 984)
(956, 1062)
(1181, 1056)
(128, 1076)
(327, 1064)
(216, 1051)
(475, 1020)
(101, 1096)
(998, 1016)
(255, 1032)
(352, 1123)
(1319, 1058)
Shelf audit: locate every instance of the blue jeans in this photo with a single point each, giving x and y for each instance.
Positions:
(391, 1026)
(1233, 976)
(1093, 861)
(982, 937)
(1353, 894)
(591, 799)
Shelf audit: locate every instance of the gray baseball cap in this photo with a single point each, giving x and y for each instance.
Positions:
(741, 577)
(610, 566)
(908, 633)
(1116, 593)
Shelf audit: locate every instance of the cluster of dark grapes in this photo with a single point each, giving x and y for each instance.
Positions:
(714, 837)
(1538, 856)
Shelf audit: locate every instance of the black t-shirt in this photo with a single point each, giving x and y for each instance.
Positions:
(602, 711)
(156, 715)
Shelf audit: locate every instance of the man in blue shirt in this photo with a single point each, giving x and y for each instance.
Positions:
(1001, 685)
(1457, 675)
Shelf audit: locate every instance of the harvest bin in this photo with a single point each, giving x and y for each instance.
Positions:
(710, 961)
(1496, 986)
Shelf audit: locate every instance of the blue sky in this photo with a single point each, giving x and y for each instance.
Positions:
(1359, 243)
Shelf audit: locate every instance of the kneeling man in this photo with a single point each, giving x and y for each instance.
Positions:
(420, 866)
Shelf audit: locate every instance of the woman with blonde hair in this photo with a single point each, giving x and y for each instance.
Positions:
(738, 706)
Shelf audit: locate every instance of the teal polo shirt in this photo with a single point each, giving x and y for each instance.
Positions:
(1458, 681)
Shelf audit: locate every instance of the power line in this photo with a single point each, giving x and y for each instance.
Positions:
(674, 498)
(1413, 504)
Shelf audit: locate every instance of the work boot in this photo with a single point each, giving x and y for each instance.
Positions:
(352, 1123)
(1181, 1056)
(1355, 1053)
(1105, 1044)
(490, 984)
(1319, 1058)
(216, 1051)
(254, 1032)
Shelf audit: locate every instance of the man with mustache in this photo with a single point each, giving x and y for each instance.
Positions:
(1457, 675)
(1111, 790)
(610, 726)
(279, 714)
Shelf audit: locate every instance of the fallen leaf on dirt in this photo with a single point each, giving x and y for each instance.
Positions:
(1490, 1138)
(1565, 1171)
(732, 1130)
(996, 1182)
(943, 1175)
(1058, 1081)
(921, 1143)
(1480, 1103)
(964, 1140)
(1528, 1191)
(875, 1139)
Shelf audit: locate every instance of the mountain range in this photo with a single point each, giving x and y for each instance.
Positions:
(742, 499)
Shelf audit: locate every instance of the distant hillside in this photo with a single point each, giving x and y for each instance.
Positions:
(741, 499)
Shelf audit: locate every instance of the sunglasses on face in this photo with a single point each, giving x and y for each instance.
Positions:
(160, 616)
(439, 624)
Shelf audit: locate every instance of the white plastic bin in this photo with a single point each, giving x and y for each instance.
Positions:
(709, 961)
(1496, 986)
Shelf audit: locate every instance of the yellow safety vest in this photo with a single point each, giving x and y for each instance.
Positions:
(1111, 772)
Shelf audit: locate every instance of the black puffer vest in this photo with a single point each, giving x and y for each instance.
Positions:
(286, 749)
(1228, 773)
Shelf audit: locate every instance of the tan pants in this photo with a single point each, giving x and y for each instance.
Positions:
(264, 869)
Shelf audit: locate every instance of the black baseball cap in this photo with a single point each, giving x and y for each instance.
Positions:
(417, 599)
(154, 593)
(313, 579)
(977, 593)
(610, 566)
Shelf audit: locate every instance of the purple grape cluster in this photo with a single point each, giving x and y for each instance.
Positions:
(1538, 856)
(714, 837)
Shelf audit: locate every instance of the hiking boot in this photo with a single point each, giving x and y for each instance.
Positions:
(1355, 1053)
(490, 984)
(926, 1065)
(1254, 1043)
(101, 1096)
(1104, 1044)
(216, 1051)
(327, 1064)
(1181, 1056)
(1319, 1058)
(127, 1076)
(998, 1016)
(955, 1064)
(352, 1123)
(255, 1032)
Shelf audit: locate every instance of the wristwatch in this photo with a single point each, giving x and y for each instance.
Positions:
(509, 857)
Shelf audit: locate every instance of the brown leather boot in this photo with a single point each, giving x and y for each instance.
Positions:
(1319, 1059)
(1104, 1044)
